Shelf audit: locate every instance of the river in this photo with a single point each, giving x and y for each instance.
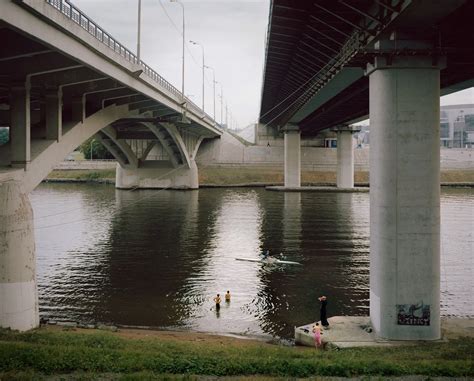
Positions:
(158, 258)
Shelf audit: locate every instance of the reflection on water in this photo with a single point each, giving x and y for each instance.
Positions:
(157, 258)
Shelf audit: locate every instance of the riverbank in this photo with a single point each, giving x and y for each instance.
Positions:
(218, 176)
(71, 354)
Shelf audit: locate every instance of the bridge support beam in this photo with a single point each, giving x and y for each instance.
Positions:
(405, 198)
(157, 175)
(18, 295)
(292, 156)
(20, 125)
(54, 114)
(345, 156)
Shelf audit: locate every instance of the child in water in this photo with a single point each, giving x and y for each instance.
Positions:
(217, 300)
(227, 297)
(317, 335)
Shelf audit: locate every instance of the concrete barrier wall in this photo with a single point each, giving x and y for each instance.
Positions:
(229, 151)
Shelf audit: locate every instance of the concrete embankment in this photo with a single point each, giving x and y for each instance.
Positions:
(229, 161)
(243, 175)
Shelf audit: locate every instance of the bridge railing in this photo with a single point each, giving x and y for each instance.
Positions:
(80, 18)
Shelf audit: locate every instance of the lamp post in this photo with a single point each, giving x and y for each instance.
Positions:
(203, 66)
(139, 28)
(214, 88)
(222, 100)
(226, 115)
(184, 45)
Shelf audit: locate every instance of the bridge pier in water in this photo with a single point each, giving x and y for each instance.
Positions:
(18, 294)
(405, 198)
(292, 156)
(157, 175)
(345, 156)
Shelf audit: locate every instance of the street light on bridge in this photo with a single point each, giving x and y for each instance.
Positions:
(222, 100)
(203, 66)
(214, 87)
(139, 29)
(184, 45)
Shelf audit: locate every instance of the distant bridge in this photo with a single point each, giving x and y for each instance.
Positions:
(65, 79)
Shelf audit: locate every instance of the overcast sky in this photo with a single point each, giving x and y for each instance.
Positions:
(232, 33)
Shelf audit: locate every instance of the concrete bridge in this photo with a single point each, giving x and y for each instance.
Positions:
(64, 79)
(332, 63)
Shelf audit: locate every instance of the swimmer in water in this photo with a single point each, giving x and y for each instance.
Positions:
(217, 300)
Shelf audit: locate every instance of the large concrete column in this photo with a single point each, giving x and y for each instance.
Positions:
(345, 156)
(18, 295)
(20, 131)
(405, 198)
(78, 109)
(54, 114)
(292, 156)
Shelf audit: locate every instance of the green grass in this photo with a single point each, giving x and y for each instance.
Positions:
(54, 352)
(83, 174)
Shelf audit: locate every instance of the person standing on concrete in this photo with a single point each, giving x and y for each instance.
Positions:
(323, 313)
(317, 335)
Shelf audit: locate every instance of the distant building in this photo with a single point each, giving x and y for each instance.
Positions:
(457, 126)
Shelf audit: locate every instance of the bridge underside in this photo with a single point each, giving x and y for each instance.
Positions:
(317, 54)
(48, 96)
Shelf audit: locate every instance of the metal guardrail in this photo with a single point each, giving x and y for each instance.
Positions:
(81, 19)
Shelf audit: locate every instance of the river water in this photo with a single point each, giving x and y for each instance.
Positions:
(157, 258)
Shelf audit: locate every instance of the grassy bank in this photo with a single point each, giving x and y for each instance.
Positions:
(228, 176)
(54, 352)
(82, 174)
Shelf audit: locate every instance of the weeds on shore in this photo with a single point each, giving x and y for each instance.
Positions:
(57, 353)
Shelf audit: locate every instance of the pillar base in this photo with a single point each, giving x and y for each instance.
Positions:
(18, 294)
(157, 175)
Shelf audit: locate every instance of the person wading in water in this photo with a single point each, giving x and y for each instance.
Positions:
(322, 313)
(217, 299)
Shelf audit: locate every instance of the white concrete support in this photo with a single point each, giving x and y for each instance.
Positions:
(20, 131)
(54, 114)
(292, 157)
(158, 175)
(18, 295)
(405, 198)
(345, 156)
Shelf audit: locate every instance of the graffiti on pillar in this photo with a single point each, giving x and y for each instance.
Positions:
(413, 314)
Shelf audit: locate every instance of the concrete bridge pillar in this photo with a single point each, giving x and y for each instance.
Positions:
(18, 295)
(405, 198)
(158, 175)
(54, 114)
(345, 156)
(292, 156)
(20, 134)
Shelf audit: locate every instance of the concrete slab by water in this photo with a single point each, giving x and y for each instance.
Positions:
(318, 189)
(345, 332)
